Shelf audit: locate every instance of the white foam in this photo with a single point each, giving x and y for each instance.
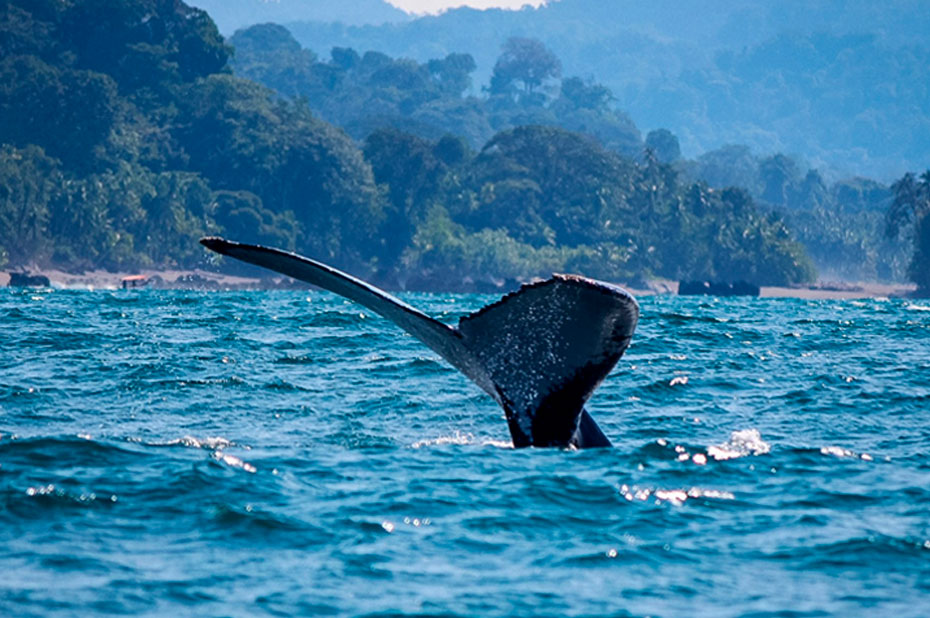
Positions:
(461, 439)
(839, 451)
(210, 442)
(741, 443)
(458, 438)
(233, 461)
(675, 497)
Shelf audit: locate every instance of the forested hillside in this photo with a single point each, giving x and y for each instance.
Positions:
(126, 138)
(129, 129)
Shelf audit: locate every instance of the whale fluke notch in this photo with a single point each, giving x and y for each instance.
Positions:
(539, 352)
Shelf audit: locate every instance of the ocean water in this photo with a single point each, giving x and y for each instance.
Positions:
(290, 453)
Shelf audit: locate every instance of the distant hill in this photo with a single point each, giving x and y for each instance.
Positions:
(842, 83)
(230, 15)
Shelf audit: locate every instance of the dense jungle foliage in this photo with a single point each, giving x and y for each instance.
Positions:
(125, 136)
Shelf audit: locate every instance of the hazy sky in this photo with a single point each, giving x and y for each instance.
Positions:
(434, 6)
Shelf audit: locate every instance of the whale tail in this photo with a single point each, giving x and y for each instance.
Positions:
(539, 352)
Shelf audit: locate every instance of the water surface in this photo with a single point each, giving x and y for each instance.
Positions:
(291, 453)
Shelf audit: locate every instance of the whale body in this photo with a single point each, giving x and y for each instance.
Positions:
(539, 352)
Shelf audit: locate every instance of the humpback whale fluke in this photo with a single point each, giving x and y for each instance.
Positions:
(539, 352)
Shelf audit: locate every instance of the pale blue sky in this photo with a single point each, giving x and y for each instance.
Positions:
(435, 6)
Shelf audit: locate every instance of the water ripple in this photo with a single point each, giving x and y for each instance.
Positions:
(289, 453)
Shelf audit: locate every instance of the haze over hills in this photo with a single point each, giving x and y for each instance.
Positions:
(841, 84)
(230, 15)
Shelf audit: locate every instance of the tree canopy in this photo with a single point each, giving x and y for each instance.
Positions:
(547, 198)
(524, 65)
(125, 138)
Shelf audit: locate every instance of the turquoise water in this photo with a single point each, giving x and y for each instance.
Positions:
(290, 453)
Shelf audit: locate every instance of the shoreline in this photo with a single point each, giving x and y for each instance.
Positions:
(199, 279)
(850, 292)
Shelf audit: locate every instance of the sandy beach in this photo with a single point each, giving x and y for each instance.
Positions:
(828, 290)
(848, 291)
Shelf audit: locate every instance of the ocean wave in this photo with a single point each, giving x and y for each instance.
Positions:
(742, 443)
(53, 452)
(896, 554)
(393, 487)
(211, 443)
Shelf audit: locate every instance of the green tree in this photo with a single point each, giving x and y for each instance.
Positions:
(412, 169)
(729, 166)
(27, 26)
(175, 218)
(267, 53)
(240, 139)
(29, 180)
(583, 95)
(584, 107)
(69, 113)
(756, 247)
(241, 215)
(525, 64)
(780, 175)
(95, 222)
(145, 45)
(453, 73)
(548, 186)
(665, 145)
(910, 210)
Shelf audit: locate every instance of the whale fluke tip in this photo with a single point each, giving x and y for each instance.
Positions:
(214, 243)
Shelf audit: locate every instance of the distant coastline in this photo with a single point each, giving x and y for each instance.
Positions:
(198, 279)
